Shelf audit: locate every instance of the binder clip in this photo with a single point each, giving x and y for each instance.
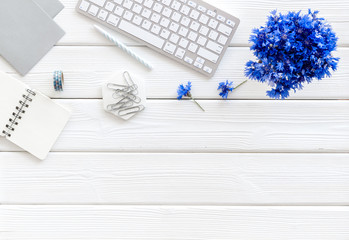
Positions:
(124, 95)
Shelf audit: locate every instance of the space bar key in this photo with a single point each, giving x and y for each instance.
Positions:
(141, 34)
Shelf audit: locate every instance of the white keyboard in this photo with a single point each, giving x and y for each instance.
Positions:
(191, 32)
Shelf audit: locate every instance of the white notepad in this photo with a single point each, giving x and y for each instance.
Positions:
(28, 118)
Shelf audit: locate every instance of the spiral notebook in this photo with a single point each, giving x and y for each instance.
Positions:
(28, 118)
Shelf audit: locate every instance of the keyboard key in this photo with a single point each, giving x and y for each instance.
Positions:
(188, 60)
(128, 15)
(146, 24)
(180, 53)
(231, 23)
(170, 48)
(202, 40)
(110, 6)
(192, 36)
(166, 2)
(211, 13)
(214, 47)
(164, 22)
(194, 14)
(174, 38)
(137, 20)
(207, 69)
(183, 43)
(213, 23)
(185, 21)
(176, 16)
(208, 55)
(93, 10)
(222, 39)
(221, 18)
(146, 13)
(167, 12)
(198, 65)
(183, 31)
(224, 29)
(202, 9)
(174, 27)
(204, 30)
(102, 15)
(157, 7)
(194, 26)
(156, 29)
(192, 47)
(98, 2)
(200, 60)
(141, 34)
(192, 4)
(84, 6)
(213, 35)
(155, 17)
(165, 33)
(119, 1)
(137, 8)
(128, 4)
(119, 11)
(175, 5)
(148, 3)
(113, 20)
(203, 19)
(185, 10)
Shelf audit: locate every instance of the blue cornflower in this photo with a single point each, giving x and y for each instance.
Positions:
(227, 87)
(184, 91)
(291, 50)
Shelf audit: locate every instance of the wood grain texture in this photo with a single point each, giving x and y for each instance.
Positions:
(87, 68)
(169, 223)
(226, 126)
(251, 13)
(175, 179)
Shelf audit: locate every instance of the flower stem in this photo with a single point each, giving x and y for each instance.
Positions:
(240, 84)
(197, 103)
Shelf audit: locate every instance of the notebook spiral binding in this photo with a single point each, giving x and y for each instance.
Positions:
(20, 109)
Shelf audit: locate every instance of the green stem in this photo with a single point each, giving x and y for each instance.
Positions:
(240, 84)
(196, 103)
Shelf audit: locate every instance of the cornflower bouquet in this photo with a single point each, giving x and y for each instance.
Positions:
(291, 50)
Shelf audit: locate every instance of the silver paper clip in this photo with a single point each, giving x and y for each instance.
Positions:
(131, 110)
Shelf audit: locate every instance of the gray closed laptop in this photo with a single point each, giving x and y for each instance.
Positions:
(27, 32)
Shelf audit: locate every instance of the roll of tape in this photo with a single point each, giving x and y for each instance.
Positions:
(58, 80)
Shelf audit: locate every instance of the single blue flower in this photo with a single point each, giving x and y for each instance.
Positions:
(292, 49)
(184, 91)
(225, 88)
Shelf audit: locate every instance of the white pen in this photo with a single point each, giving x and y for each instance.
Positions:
(122, 46)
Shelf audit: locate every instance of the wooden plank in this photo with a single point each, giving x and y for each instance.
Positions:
(226, 126)
(87, 68)
(175, 179)
(79, 30)
(173, 222)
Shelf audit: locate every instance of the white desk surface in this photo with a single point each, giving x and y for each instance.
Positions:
(249, 168)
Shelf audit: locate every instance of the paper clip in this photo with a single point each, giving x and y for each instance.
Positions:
(115, 86)
(119, 105)
(131, 110)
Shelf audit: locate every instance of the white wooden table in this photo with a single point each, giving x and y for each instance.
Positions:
(248, 168)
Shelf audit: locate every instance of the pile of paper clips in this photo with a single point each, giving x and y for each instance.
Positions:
(126, 97)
